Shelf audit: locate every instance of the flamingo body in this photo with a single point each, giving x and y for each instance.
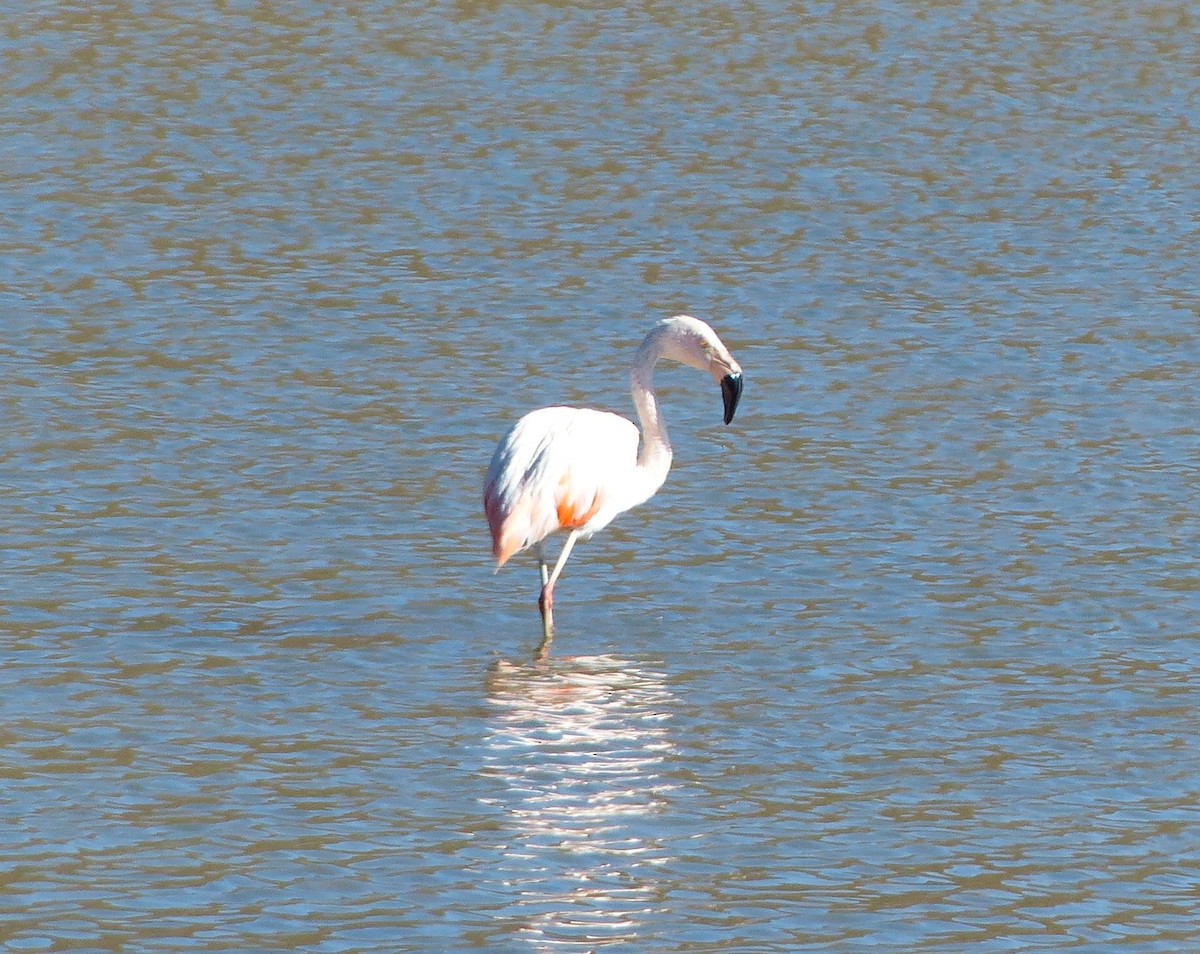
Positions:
(558, 468)
(575, 469)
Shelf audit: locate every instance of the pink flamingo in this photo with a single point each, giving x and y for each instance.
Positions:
(575, 469)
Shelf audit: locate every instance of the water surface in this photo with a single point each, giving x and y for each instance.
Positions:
(903, 660)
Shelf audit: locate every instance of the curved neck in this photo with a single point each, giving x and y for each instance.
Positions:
(654, 457)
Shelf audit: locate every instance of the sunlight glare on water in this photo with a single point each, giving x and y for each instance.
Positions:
(580, 746)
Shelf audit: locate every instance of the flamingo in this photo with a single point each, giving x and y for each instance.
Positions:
(575, 469)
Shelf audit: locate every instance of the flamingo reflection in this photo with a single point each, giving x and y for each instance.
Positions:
(581, 745)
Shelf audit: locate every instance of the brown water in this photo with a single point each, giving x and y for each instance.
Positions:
(904, 660)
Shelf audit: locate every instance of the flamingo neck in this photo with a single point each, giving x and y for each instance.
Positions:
(654, 458)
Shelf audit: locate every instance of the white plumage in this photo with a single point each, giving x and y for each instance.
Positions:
(559, 468)
(575, 469)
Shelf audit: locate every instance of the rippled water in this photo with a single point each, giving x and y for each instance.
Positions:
(905, 659)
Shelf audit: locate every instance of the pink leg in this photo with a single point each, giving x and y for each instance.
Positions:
(546, 599)
(545, 605)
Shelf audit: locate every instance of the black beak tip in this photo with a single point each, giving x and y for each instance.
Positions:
(731, 393)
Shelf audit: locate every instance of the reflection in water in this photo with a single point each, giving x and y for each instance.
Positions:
(580, 743)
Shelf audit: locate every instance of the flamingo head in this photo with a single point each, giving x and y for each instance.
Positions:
(690, 341)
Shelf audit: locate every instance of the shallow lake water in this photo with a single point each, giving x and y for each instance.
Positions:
(904, 659)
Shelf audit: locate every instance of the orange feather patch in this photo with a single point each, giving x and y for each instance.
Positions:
(574, 511)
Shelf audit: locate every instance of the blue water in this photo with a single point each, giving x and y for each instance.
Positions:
(904, 659)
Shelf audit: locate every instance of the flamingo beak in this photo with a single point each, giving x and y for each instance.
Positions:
(731, 393)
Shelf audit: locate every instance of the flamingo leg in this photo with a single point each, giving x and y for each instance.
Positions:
(546, 600)
(547, 618)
